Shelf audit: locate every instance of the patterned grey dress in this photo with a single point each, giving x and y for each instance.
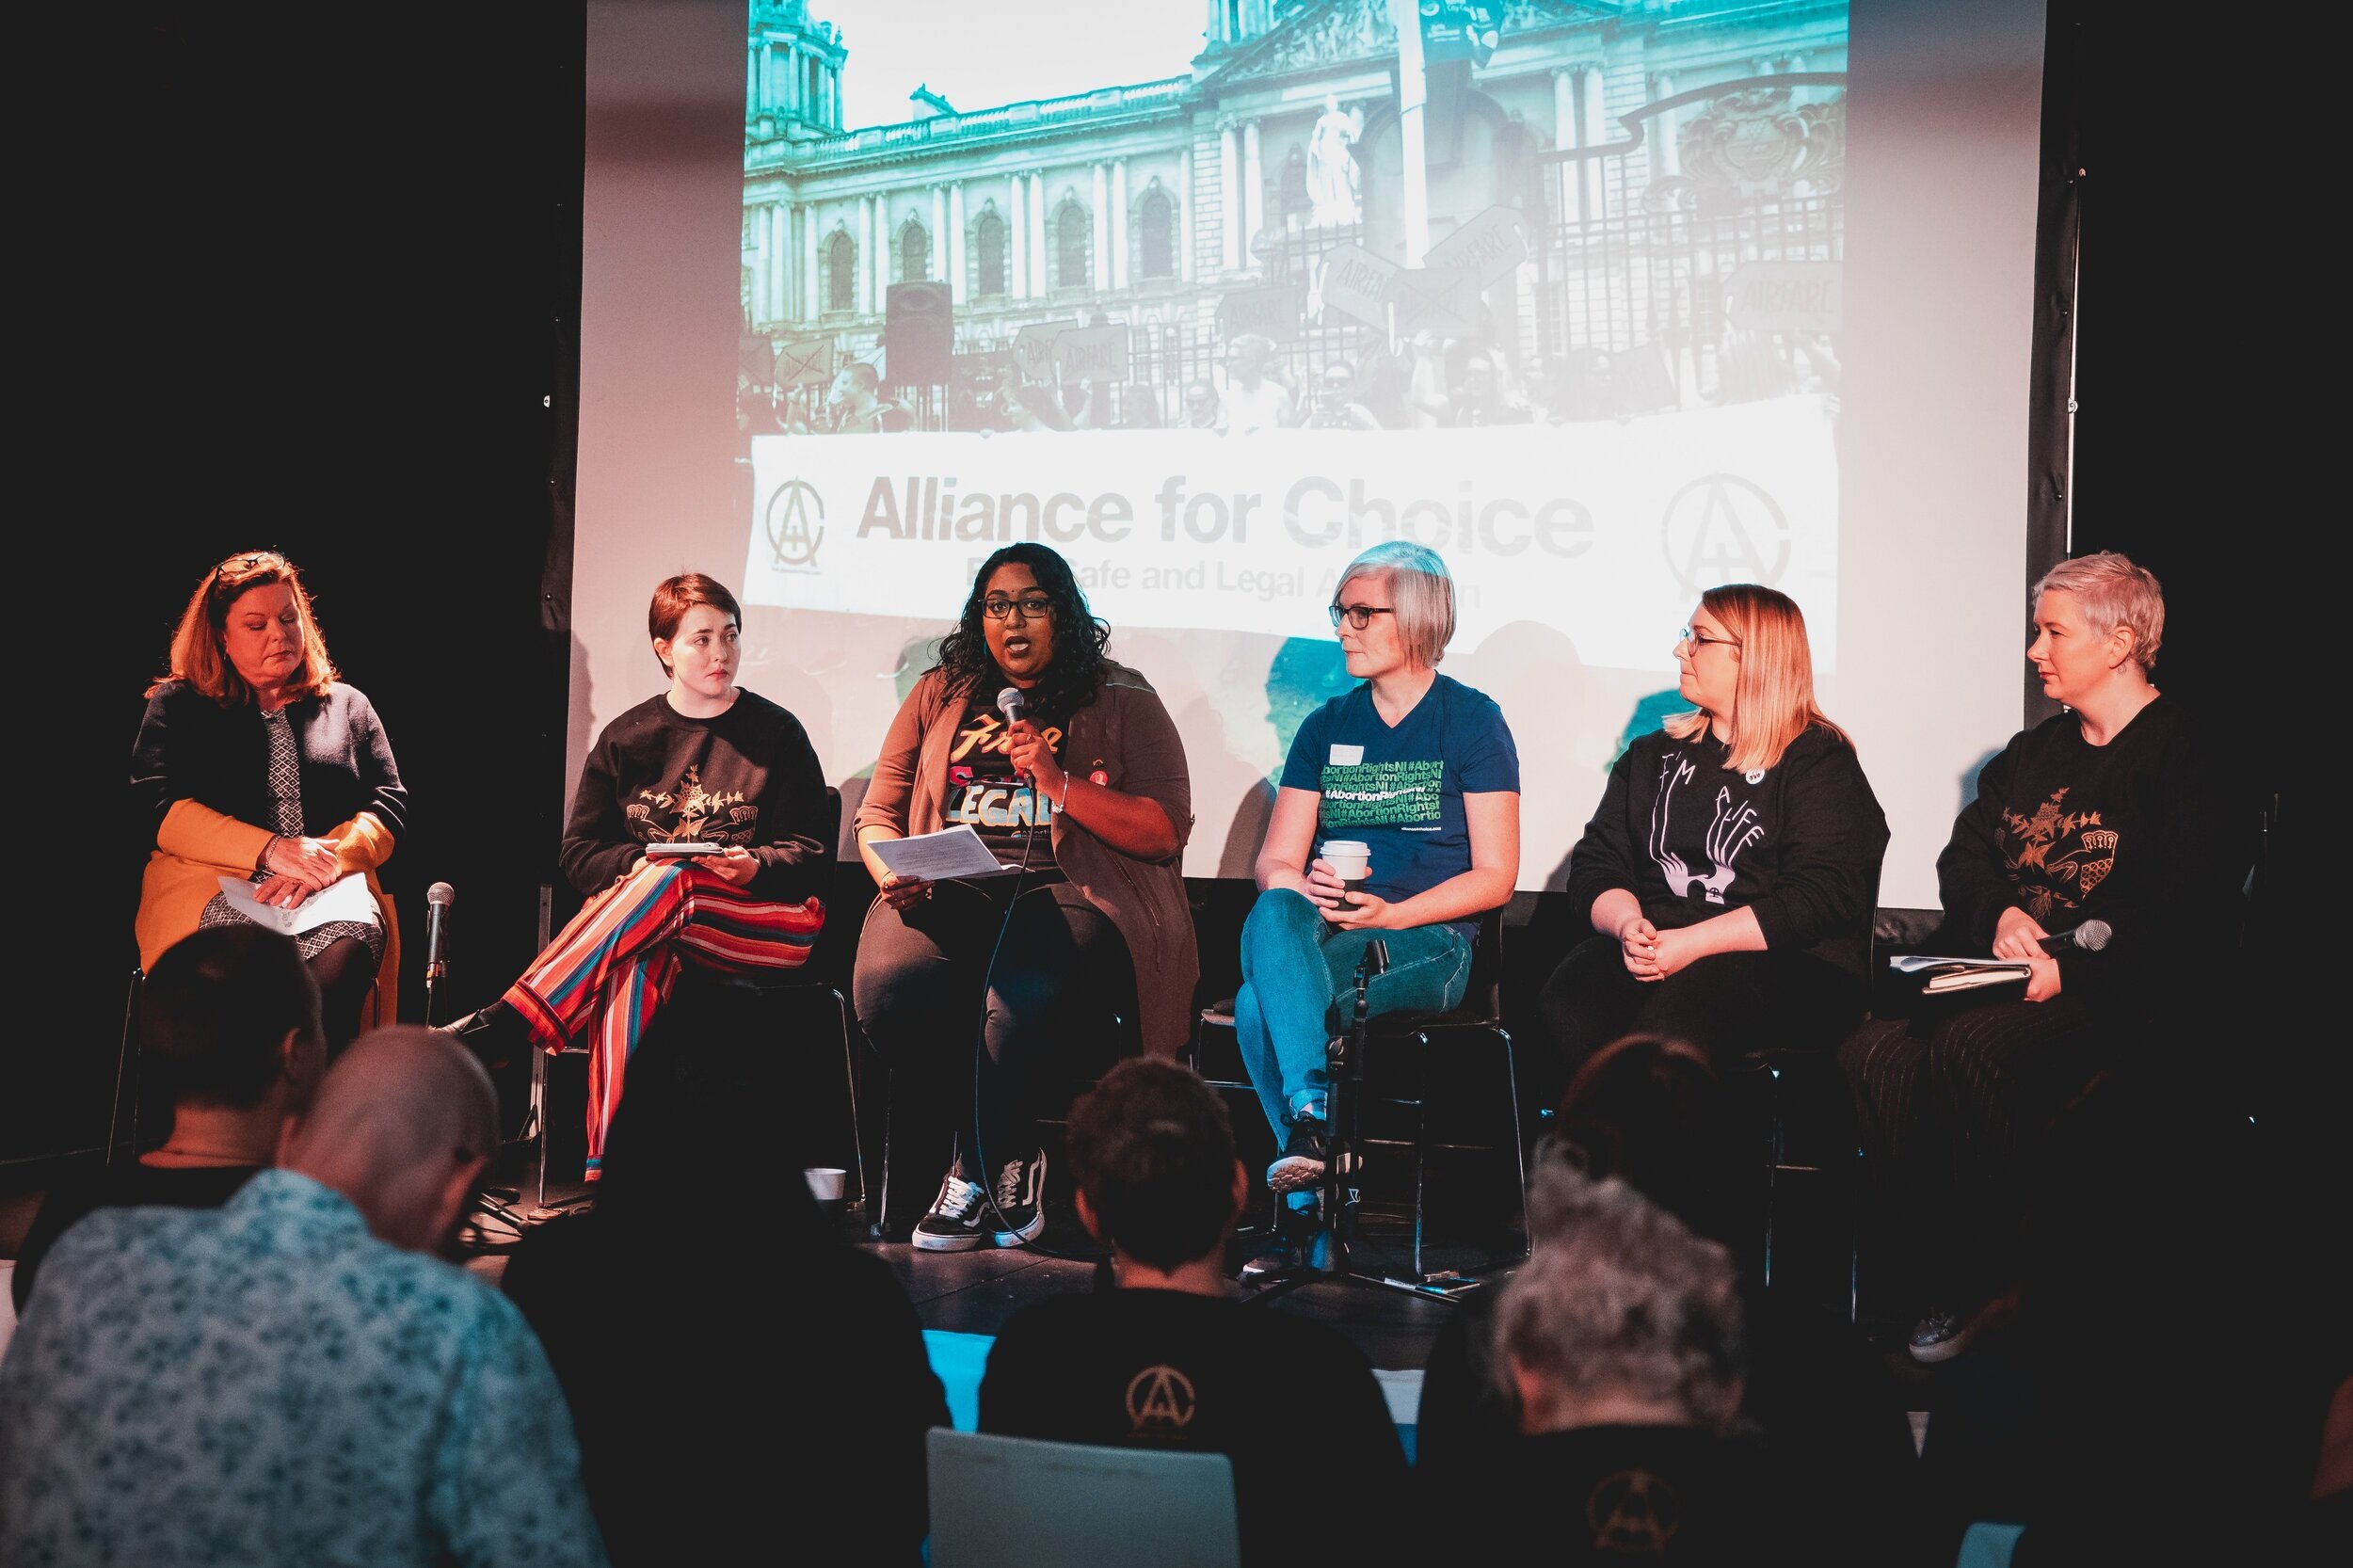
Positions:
(285, 788)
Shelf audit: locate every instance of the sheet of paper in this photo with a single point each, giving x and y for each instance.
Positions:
(941, 857)
(345, 899)
(1916, 962)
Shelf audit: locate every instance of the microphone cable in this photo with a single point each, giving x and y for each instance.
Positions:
(979, 1052)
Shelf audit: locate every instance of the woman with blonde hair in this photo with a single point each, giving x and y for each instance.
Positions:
(256, 760)
(1420, 770)
(1730, 870)
(2107, 814)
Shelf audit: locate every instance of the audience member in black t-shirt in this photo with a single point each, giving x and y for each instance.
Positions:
(1620, 1343)
(688, 1348)
(1824, 1407)
(1168, 1359)
(1730, 872)
(229, 1018)
(2108, 812)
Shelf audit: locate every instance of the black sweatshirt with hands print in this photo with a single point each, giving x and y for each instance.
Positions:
(1798, 843)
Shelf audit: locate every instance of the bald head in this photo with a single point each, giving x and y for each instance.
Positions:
(402, 1125)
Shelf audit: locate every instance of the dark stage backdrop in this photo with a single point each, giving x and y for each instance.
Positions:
(310, 291)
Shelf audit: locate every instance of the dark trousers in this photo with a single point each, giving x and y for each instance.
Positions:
(929, 998)
(1954, 1103)
(345, 971)
(1727, 1005)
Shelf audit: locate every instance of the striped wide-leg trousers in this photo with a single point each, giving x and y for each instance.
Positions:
(605, 976)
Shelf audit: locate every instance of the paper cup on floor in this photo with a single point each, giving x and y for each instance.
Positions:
(825, 1183)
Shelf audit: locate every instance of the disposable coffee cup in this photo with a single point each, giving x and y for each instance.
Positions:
(1350, 860)
(825, 1185)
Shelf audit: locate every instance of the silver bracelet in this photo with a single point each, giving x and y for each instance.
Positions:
(1063, 805)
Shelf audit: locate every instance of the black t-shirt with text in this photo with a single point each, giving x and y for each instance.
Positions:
(1291, 1403)
(1012, 819)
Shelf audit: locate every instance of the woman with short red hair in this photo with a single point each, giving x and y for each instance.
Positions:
(697, 837)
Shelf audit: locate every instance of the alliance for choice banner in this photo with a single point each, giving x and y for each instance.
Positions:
(1606, 531)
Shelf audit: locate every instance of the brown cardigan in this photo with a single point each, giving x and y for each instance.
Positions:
(1127, 734)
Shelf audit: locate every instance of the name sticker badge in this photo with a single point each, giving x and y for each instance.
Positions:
(1347, 757)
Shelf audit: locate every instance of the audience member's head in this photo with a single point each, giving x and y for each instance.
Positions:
(709, 1053)
(404, 1125)
(231, 1016)
(1651, 1111)
(1620, 1317)
(1153, 1152)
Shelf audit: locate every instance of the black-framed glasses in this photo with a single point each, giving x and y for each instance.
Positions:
(1700, 639)
(1032, 607)
(1359, 616)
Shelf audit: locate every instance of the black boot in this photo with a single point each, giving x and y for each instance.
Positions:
(495, 1033)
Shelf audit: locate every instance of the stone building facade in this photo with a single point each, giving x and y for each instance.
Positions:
(1150, 203)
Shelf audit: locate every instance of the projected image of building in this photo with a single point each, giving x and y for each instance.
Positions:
(1616, 210)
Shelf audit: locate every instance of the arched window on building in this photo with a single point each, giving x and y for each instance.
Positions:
(915, 253)
(1292, 202)
(1073, 267)
(841, 274)
(1156, 236)
(988, 244)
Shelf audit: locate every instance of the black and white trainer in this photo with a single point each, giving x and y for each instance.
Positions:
(1304, 1153)
(1019, 1215)
(955, 1223)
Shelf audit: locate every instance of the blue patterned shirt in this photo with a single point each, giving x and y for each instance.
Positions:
(268, 1383)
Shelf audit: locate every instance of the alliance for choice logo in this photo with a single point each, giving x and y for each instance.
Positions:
(1722, 528)
(796, 525)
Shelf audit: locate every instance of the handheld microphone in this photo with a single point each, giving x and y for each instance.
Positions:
(438, 899)
(1010, 702)
(2090, 936)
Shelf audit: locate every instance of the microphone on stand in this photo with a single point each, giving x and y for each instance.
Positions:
(2090, 936)
(438, 899)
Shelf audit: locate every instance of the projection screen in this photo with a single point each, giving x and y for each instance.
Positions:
(1606, 303)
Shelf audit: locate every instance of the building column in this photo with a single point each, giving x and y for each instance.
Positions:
(1592, 132)
(1666, 149)
(1184, 214)
(1100, 231)
(883, 229)
(1042, 277)
(809, 311)
(862, 289)
(1119, 223)
(936, 266)
(954, 243)
(1229, 197)
(1017, 239)
(754, 98)
(1253, 192)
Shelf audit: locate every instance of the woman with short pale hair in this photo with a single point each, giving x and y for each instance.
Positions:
(1423, 770)
(2107, 813)
(1730, 870)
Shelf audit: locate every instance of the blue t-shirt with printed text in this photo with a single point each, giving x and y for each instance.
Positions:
(1399, 791)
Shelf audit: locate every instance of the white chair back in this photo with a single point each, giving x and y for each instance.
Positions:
(1003, 1501)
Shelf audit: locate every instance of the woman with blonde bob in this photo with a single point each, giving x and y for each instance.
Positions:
(1730, 872)
(255, 759)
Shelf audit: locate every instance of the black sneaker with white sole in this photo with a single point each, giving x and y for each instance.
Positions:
(961, 1217)
(1302, 1164)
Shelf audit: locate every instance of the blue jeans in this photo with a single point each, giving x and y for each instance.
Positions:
(1298, 973)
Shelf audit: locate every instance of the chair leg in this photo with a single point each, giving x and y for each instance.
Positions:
(849, 1079)
(1520, 1147)
(538, 1116)
(125, 1055)
(1774, 1149)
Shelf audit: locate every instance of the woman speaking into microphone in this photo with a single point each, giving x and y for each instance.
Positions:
(1069, 767)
